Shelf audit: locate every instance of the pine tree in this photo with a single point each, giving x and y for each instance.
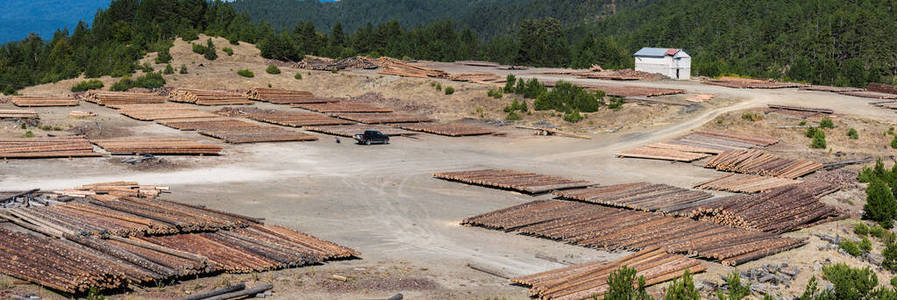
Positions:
(620, 285)
(210, 53)
(881, 206)
(683, 289)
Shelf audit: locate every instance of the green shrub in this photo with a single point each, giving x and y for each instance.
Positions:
(449, 90)
(894, 281)
(164, 57)
(865, 245)
(850, 247)
(566, 97)
(517, 106)
(573, 116)
(616, 103)
(826, 123)
(93, 84)
(198, 49)
(494, 93)
(298, 76)
(850, 283)
(751, 117)
(620, 285)
(513, 116)
(439, 87)
(272, 69)
(246, 73)
(169, 70)
(190, 35)
(881, 206)
(183, 69)
(737, 290)
(28, 134)
(509, 84)
(810, 132)
(146, 67)
(890, 257)
(877, 231)
(150, 81)
(818, 140)
(683, 289)
(861, 229)
(894, 143)
(853, 134)
(123, 84)
(802, 123)
(210, 53)
(228, 51)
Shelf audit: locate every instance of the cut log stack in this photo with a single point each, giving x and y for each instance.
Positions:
(777, 211)
(327, 64)
(744, 183)
(699, 145)
(82, 114)
(237, 131)
(831, 89)
(281, 96)
(743, 83)
(453, 130)
(669, 152)
(352, 130)
(613, 229)
(120, 98)
(870, 94)
(513, 180)
(36, 101)
(343, 107)
(17, 114)
(632, 91)
(881, 88)
(588, 280)
(209, 97)
(283, 118)
(759, 162)
(886, 104)
(383, 118)
(481, 78)
(803, 111)
(47, 147)
(149, 145)
(400, 68)
(161, 111)
(114, 190)
(667, 199)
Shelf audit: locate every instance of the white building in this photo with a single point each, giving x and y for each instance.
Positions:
(673, 63)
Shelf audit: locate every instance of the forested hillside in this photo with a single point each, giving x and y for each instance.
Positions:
(831, 42)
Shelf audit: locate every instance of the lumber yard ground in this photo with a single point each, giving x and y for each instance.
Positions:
(383, 201)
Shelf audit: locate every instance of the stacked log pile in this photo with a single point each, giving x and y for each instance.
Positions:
(588, 280)
(632, 91)
(622, 74)
(743, 83)
(807, 111)
(209, 97)
(161, 111)
(35, 101)
(383, 118)
(82, 114)
(47, 147)
(868, 94)
(281, 96)
(881, 88)
(830, 89)
(284, 118)
(114, 190)
(119, 98)
(513, 180)
(352, 130)
(777, 211)
(667, 199)
(129, 146)
(343, 107)
(612, 229)
(17, 114)
(237, 131)
(724, 141)
(454, 130)
(327, 64)
(759, 162)
(191, 124)
(886, 104)
(400, 68)
(481, 78)
(744, 183)
(668, 151)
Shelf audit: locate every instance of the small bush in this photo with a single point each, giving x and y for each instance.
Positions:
(210, 53)
(28, 134)
(616, 103)
(246, 73)
(183, 69)
(573, 116)
(736, 290)
(894, 281)
(751, 117)
(228, 51)
(826, 123)
(169, 70)
(861, 229)
(123, 84)
(449, 90)
(890, 257)
(802, 123)
(272, 69)
(190, 35)
(150, 81)
(849, 283)
(517, 106)
(865, 245)
(850, 247)
(894, 143)
(495, 93)
(810, 132)
(818, 140)
(199, 49)
(439, 87)
(876, 231)
(509, 84)
(513, 116)
(298, 76)
(620, 285)
(853, 134)
(683, 289)
(881, 206)
(164, 57)
(146, 67)
(93, 84)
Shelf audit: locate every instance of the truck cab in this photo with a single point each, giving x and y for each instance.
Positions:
(371, 137)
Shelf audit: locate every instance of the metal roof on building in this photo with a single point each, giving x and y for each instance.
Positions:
(661, 52)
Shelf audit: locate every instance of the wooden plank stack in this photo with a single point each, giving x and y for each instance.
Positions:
(284, 118)
(17, 114)
(588, 280)
(209, 97)
(400, 68)
(37, 101)
(744, 183)
(47, 147)
(352, 130)
(513, 180)
(343, 107)
(759, 162)
(667, 151)
(642, 196)
(119, 98)
(167, 146)
(453, 130)
(612, 229)
(383, 118)
(161, 111)
(281, 96)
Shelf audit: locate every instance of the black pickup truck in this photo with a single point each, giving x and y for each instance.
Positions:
(371, 137)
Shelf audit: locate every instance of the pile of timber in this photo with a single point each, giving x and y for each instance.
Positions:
(343, 107)
(513, 180)
(475, 63)
(281, 96)
(589, 280)
(744, 183)
(17, 114)
(622, 74)
(670, 152)
(812, 111)
(119, 98)
(642, 196)
(35, 101)
(744, 83)
(148, 145)
(831, 89)
(454, 130)
(352, 130)
(47, 147)
(401, 68)
(383, 118)
(612, 229)
(759, 162)
(869, 94)
(886, 104)
(724, 141)
(113, 190)
(482, 78)
(881, 88)
(327, 64)
(777, 211)
(284, 118)
(237, 131)
(631, 91)
(209, 97)
(82, 114)
(161, 111)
